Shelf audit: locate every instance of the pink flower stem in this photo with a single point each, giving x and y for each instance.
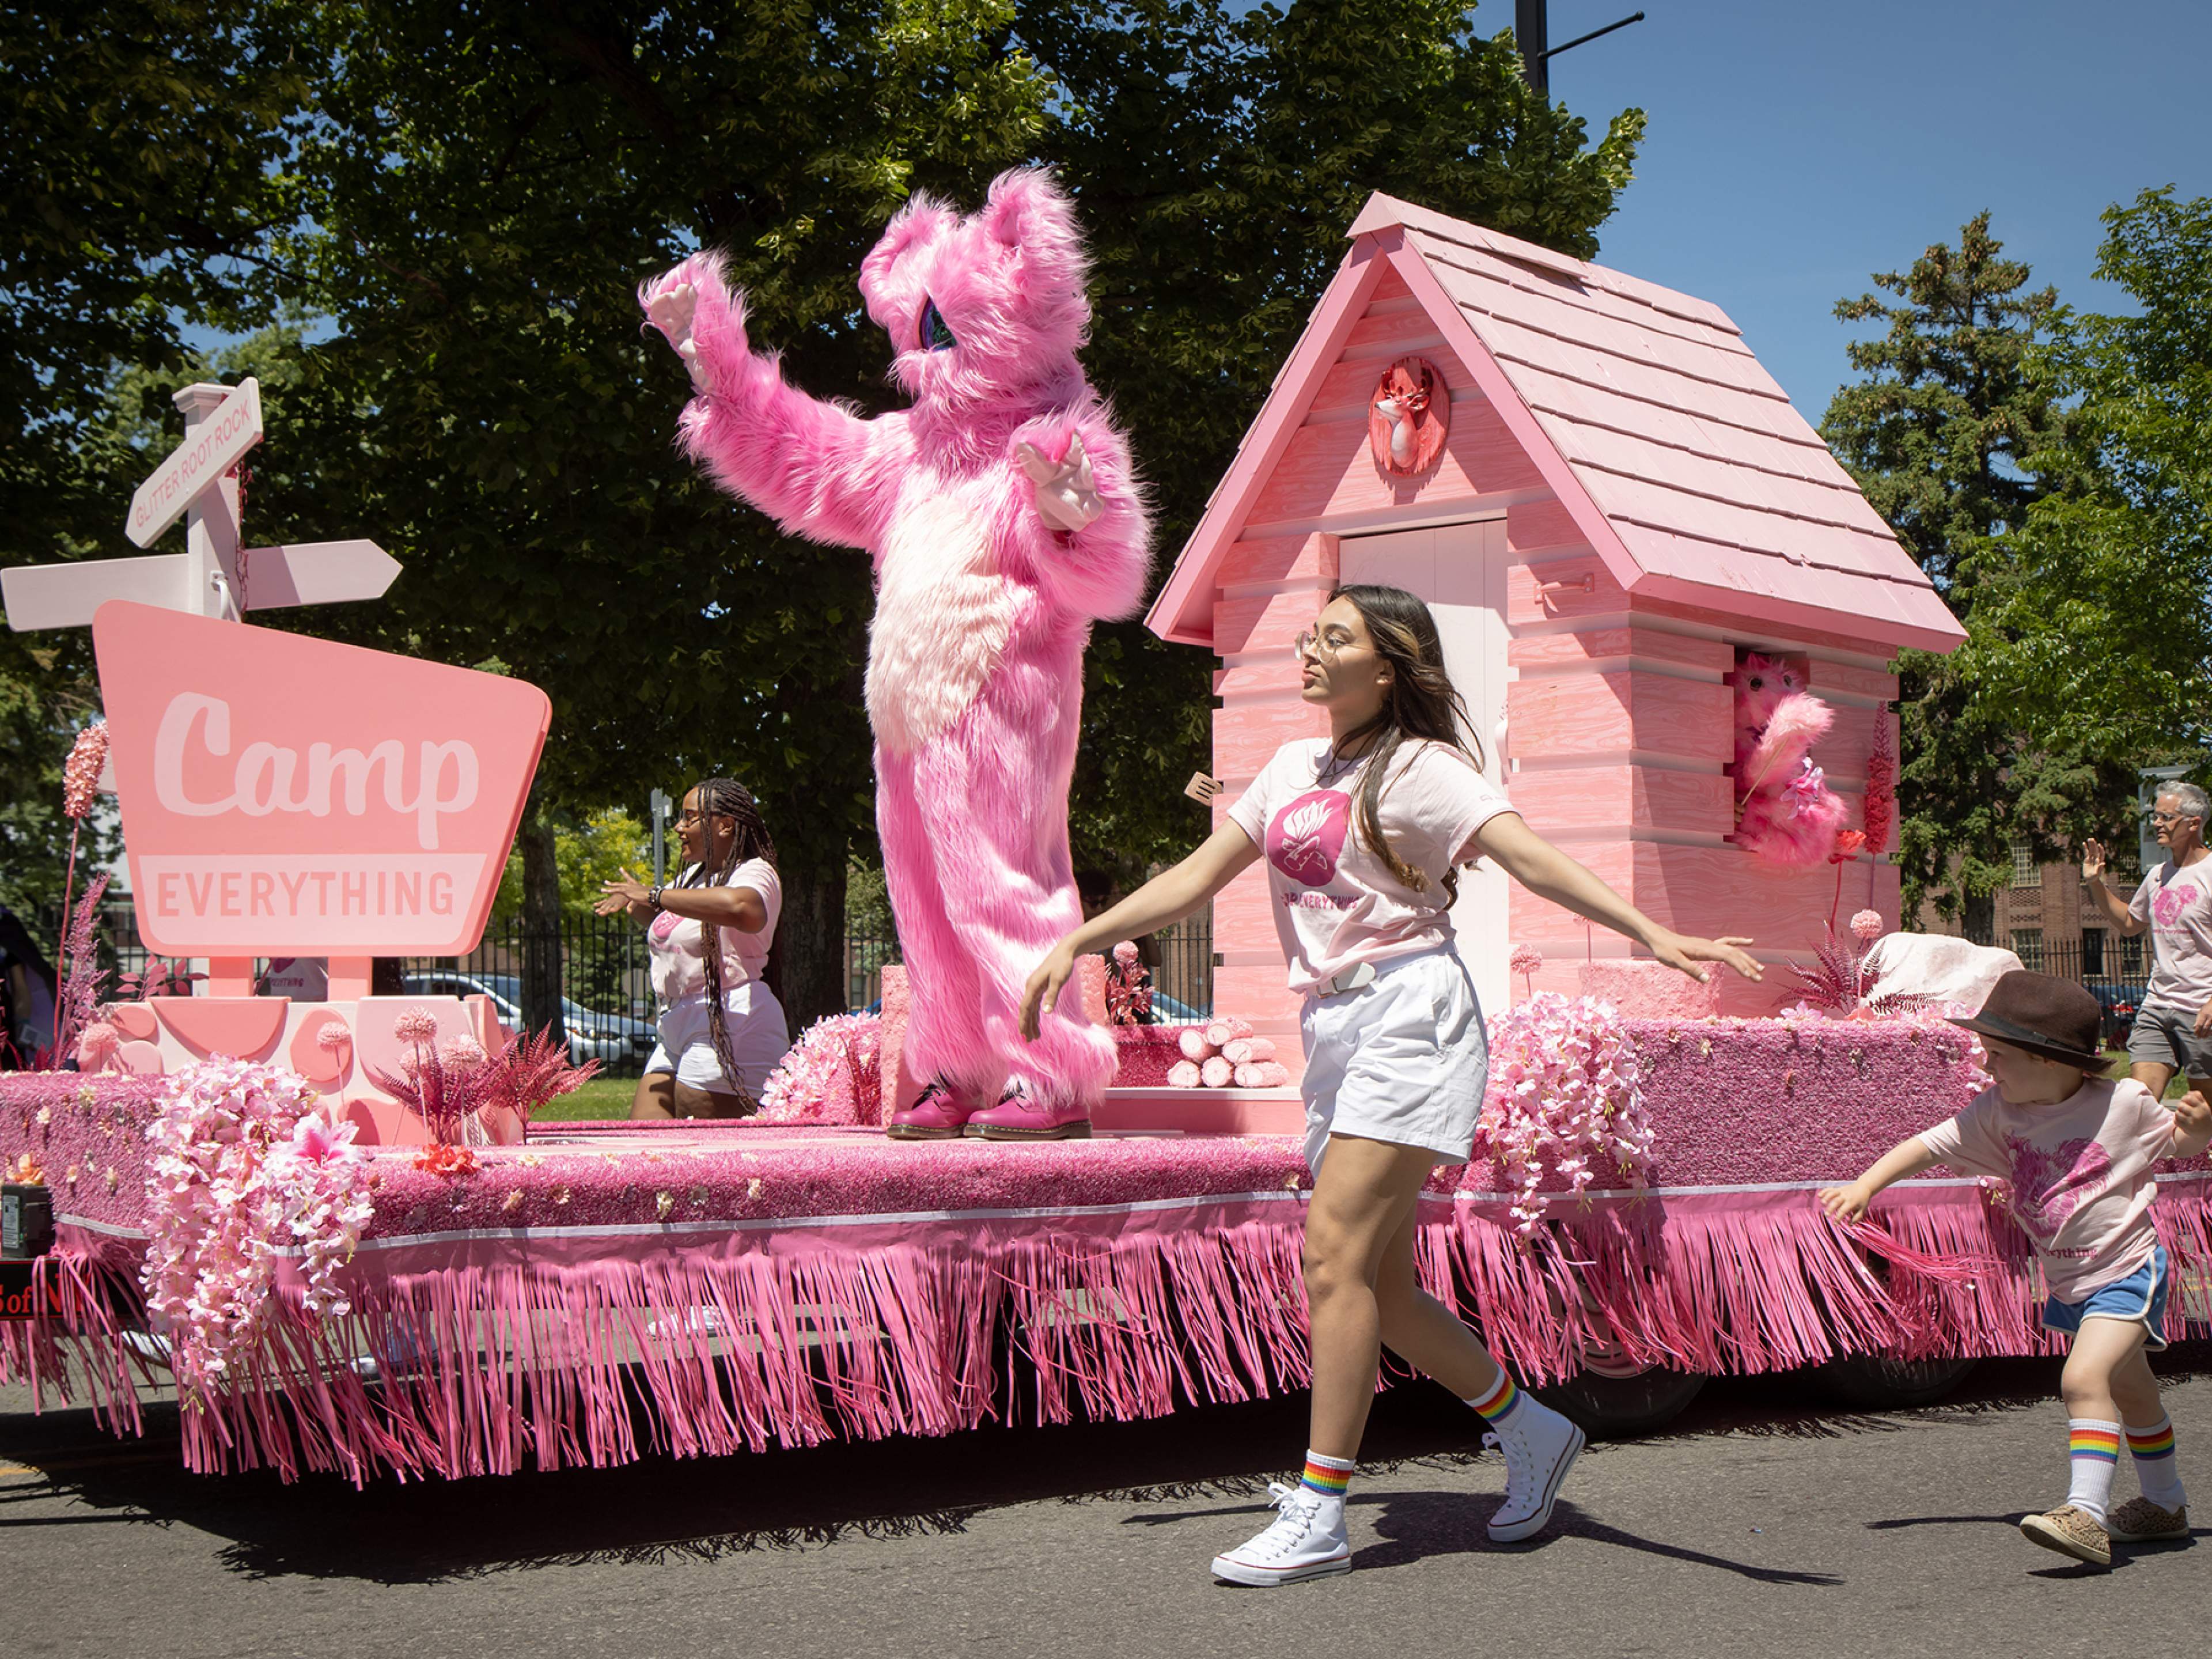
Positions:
(1835, 902)
(69, 886)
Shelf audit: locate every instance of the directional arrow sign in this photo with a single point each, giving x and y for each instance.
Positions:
(314, 573)
(211, 449)
(303, 572)
(66, 595)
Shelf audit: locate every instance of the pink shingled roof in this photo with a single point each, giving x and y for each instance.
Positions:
(1687, 466)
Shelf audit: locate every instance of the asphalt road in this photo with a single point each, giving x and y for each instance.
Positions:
(1762, 1522)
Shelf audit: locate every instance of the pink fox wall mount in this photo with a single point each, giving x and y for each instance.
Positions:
(1003, 519)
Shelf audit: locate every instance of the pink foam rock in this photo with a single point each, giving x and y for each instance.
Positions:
(1642, 989)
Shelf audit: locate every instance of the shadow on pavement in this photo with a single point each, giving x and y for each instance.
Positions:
(662, 1508)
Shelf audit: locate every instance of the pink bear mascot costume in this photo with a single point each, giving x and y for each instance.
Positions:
(1003, 519)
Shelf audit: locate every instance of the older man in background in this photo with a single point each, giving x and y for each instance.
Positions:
(2174, 1027)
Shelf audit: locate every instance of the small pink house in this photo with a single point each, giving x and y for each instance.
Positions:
(1618, 500)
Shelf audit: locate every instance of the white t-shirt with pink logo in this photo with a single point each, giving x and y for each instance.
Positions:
(678, 945)
(2082, 1174)
(2176, 902)
(1336, 904)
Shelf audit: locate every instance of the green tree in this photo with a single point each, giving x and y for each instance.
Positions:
(1955, 400)
(141, 173)
(2110, 620)
(1219, 154)
(486, 189)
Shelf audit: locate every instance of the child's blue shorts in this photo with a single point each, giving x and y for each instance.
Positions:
(2140, 1297)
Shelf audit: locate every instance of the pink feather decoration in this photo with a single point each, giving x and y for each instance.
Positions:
(1183, 1074)
(1799, 721)
(1217, 1073)
(1192, 1041)
(1791, 829)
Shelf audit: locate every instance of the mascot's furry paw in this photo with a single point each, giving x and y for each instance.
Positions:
(1067, 496)
(692, 306)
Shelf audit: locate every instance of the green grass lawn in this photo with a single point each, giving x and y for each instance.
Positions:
(603, 1096)
(2116, 1064)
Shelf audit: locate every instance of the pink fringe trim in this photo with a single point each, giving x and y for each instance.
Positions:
(713, 1344)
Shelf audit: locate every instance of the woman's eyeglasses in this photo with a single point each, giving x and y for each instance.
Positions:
(1327, 648)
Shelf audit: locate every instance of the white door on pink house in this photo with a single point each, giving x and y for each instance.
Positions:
(1459, 569)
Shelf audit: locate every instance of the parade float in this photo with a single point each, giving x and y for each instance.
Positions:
(1632, 544)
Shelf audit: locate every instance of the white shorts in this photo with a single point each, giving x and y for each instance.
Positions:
(758, 1039)
(1403, 1059)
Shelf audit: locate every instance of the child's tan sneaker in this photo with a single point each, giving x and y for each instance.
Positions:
(2139, 1521)
(2070, 1531)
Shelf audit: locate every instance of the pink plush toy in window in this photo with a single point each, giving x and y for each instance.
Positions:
(1785, 811)
(1003, 519)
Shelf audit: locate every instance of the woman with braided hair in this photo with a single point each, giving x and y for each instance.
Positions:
(709, 933)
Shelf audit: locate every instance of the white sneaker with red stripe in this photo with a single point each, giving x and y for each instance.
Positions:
(1305, 1541)
(1540, 1446)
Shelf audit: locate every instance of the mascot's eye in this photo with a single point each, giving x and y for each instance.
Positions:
(1756, 682)
(936, 336)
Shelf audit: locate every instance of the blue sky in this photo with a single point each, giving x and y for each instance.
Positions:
(1796, 148)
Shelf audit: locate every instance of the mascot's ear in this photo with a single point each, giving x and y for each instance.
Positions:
(916, 225)
(1028, 212)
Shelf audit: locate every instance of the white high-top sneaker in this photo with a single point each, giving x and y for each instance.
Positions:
(1299, 1544)
(1540, 1446)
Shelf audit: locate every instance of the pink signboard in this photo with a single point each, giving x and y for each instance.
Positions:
(287, 796)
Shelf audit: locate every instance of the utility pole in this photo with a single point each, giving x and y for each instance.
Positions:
(1532, 33)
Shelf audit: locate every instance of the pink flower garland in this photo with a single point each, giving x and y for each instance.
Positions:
(247, 1162)
(1565, 1103)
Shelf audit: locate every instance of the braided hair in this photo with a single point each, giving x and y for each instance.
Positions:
(1422, 705)
(725, 798)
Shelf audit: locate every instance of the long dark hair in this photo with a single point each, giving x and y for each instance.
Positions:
(725, 798)
(1422, 706)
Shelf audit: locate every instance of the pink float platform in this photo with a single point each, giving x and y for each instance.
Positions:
(609, 1291)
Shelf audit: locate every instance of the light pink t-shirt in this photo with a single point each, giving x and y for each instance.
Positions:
(1336, 904)
(2080, 1172)
(678, 945)
(2176, 902)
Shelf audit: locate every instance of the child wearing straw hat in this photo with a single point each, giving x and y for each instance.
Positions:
(2080, 1151)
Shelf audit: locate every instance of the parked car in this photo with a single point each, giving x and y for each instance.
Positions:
(611, 1039)
(2119, 1003)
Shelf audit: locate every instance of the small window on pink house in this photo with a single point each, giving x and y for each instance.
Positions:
(1760, 682)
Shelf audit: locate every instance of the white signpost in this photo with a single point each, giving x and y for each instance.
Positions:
(213, 576)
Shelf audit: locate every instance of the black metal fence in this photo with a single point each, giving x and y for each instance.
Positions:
(603, 973)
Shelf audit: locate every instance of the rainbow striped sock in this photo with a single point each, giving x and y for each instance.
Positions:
(2093, 1453)
(1498, 1404)
(2152, 1448)
(1328, 1476)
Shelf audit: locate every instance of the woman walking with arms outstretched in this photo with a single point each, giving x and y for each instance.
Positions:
(1361, 832)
